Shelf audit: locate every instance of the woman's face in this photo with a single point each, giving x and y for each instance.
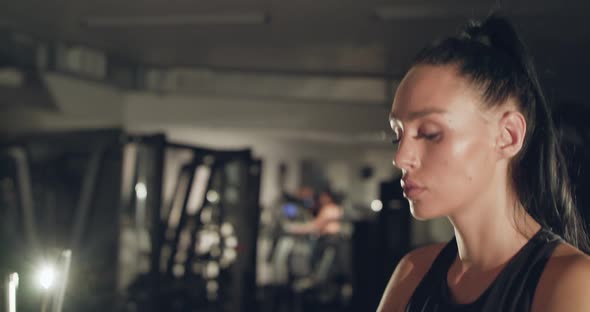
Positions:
(446, 141)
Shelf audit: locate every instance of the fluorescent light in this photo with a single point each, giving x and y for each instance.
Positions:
(11, 292)
(46, 276)
(392, 12)
(247, 18)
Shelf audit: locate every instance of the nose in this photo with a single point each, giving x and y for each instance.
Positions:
(406, 157)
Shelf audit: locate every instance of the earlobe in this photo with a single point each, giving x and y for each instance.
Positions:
(512, 132)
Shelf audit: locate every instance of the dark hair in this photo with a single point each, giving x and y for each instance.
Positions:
(493, 58)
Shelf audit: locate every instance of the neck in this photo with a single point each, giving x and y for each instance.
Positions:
(492, 231)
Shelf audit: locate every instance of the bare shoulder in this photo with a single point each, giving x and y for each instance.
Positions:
(565, 282)
(406, 277)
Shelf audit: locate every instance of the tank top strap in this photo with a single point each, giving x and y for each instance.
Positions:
(512, 290)
(520, 277)
(432, 280)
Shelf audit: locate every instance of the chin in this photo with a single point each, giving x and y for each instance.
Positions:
(423, 212)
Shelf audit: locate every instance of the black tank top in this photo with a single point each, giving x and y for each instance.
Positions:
(511, 291)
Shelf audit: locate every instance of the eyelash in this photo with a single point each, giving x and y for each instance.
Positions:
(430, 137)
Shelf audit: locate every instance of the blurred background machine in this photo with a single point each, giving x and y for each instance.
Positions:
(101, 195)
(200, 254)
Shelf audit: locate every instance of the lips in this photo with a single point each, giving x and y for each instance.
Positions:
(411, 189)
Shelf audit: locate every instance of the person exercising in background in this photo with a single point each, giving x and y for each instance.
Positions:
(327, 220)
(331, 256)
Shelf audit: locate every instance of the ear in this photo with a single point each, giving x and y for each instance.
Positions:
(512, 130)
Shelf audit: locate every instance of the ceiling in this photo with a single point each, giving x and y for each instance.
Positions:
(315, 37)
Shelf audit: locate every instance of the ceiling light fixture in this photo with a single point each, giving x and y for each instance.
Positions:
(394, 12)
(245, 18)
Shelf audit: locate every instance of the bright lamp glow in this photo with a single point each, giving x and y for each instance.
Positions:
(376, 205)
(46, 276)
(212, 196)
(141, 190)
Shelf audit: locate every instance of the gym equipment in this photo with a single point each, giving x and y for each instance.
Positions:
(198, 249)
(134, 250)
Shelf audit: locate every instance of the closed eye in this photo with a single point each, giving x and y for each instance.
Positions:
(430, 136)
(396, 139)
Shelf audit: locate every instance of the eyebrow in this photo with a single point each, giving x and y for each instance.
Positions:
(418, 114)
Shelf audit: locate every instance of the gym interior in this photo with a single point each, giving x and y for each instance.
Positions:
(171, 155)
